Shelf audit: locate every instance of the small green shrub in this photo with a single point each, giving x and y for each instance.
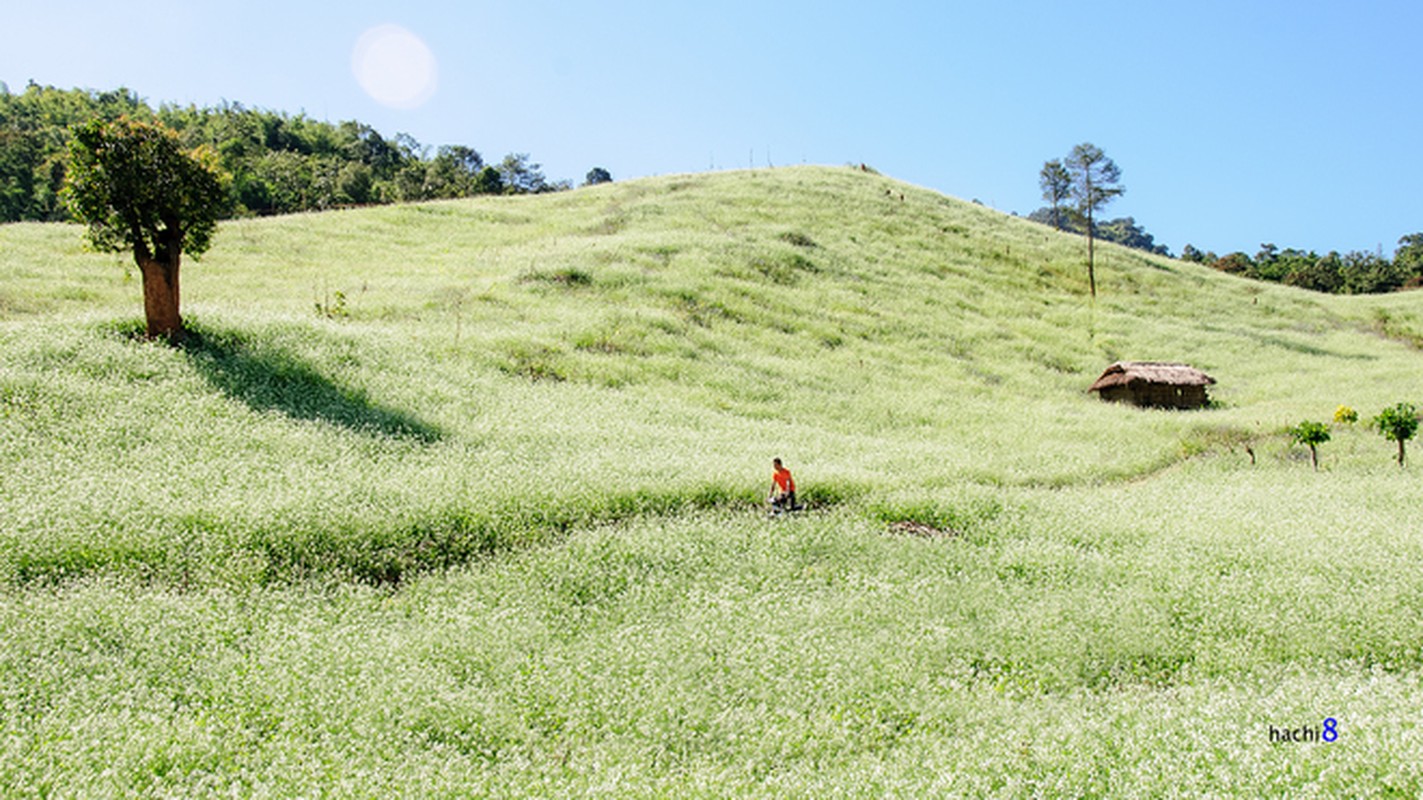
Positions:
(798, 239)
(1398, 424)
(562, 276)
(783, 270)
(533, 361)
(333, 307)
(1311, 434)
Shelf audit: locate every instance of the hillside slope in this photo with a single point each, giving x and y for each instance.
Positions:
(390, 387)
(461, 500)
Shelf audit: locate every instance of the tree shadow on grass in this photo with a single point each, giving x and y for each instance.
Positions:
(269, 378)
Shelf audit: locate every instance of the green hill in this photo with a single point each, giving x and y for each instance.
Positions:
(474, 483)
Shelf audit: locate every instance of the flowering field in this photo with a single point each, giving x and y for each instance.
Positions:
(462, 499)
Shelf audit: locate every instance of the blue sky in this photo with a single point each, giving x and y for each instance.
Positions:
(1234, 123)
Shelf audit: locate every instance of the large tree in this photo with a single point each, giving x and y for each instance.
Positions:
(137, 189)
(1095, 182)
(453, 172)
(521, 176)
(1409, 255)
(1056, 184)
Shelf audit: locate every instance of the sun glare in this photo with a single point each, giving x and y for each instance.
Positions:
(394, 66)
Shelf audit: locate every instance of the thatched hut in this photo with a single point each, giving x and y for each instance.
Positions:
(1153, 383)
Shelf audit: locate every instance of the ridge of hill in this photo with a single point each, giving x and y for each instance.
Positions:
(408, 385)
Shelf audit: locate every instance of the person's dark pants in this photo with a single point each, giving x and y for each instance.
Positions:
(784, 501)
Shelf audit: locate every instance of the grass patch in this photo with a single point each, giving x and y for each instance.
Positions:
(267, 378)
(570, 277)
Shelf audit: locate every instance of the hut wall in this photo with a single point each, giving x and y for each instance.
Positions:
(1192, 397)
(1158, 395)
(1118, 394)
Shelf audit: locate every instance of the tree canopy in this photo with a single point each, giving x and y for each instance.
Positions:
(1311, 434)
(1095, 178)
(522, 176)
(278, 163)
(136, 188)
(1056, 184)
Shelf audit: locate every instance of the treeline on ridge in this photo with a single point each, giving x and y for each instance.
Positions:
(278, 163)
(1353, 272)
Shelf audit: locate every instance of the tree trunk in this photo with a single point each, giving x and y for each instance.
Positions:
(1091, 255)
(1314, 457)
(160, 298)
(1400, 452)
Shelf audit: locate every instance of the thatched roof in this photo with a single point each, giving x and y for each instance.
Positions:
(1127, 373)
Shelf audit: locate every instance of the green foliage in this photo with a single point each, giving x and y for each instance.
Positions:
(1095, 180)
(1345, 415)
(1398, 424)
(333, 307)
(488, 181)
(519, 175)
(1348, 273)
(1194, 256)
(1056, 184)
(136, 189)
(1408, 258)
(798, 239)
(278, 163)
(562, 276)
(454, 172)
(34, 135)
(1311, 434)
(1123, 231)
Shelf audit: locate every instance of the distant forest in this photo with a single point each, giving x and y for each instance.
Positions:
(1354, 272)
(1348, 273)
(278, 163)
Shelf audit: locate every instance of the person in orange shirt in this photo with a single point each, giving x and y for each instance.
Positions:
(782, 489)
